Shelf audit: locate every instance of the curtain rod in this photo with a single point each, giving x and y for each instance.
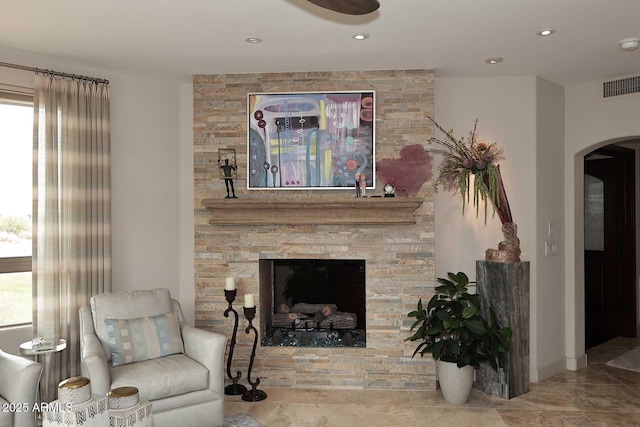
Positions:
(55, 73)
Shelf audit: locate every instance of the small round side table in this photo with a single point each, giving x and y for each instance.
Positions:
(27, 349)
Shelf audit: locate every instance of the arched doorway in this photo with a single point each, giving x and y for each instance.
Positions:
(610, 300)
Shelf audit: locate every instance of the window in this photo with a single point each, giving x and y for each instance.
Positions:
(16, 159)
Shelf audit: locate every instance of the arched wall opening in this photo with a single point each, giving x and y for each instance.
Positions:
(576, 306)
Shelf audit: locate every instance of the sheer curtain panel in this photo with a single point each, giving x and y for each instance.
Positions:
(71, 212)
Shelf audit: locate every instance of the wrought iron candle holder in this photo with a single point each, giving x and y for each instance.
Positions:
(253, 395)
(233, 389)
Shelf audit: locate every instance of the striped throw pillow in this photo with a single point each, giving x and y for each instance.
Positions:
(144, 338)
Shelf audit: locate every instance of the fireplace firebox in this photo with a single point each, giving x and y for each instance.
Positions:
(313, 302)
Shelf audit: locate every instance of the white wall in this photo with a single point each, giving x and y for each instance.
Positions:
(637, 183)
(548, 299)
(591, 122)
(147, 177)
(505, 108)
(185, 202)
(525, 116)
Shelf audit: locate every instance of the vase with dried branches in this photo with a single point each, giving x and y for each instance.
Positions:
(462, 159)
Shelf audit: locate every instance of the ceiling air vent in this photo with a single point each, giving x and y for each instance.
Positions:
(621, 87)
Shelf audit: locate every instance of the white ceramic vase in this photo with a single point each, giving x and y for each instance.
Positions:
(455, 383)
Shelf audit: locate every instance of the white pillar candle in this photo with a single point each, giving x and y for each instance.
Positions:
(230, 284)
(248, 301)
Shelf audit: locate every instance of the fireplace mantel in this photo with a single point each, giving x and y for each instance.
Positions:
(313, 211)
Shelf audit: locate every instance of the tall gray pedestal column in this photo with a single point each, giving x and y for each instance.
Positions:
(504, 287)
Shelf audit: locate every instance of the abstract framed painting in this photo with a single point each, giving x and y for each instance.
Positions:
(310, 140)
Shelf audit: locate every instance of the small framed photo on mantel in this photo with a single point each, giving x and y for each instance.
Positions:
(228, 169)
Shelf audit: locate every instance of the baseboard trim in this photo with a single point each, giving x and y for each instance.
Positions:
(575, 364)
(541, 374)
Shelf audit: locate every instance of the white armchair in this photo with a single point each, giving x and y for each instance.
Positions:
(19, 378)
(184, 388)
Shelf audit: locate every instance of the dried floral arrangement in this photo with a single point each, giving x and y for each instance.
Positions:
(463, 158)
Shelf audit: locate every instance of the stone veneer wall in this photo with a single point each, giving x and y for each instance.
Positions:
(399, 258)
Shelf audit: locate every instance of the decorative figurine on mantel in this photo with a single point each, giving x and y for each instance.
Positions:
(228, 169)
(389, 190)
(363, 185)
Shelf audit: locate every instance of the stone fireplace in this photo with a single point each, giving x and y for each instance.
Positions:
(393, 236)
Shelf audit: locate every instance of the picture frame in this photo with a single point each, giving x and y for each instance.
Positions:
(310, 140)
(229, 154)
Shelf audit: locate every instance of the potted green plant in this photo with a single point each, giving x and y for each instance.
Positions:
(458, 337)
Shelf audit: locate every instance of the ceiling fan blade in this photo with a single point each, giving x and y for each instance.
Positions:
(349, 7)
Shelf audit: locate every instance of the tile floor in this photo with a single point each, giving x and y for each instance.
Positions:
(594, 396)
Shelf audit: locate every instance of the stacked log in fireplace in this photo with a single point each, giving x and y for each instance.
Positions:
(313, 317)
(304, 322)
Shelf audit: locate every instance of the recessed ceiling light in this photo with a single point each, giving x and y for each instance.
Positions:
(494, 60)
(361, 36)
(253, 40)
(546, 32)
(629, 44)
